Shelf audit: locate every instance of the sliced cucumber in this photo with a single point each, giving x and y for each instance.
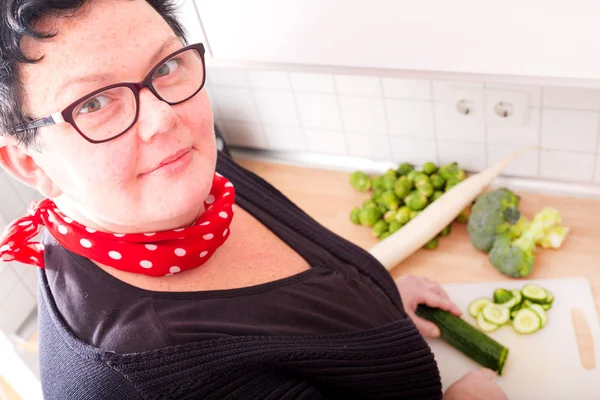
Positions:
(512, 303)
(526, 321)
(539, 310)
(534, 293)
(549, 299)
(501, 296)
(484, 325)
(476, 306)
(517, 294)
(496, 314)
(546, 306)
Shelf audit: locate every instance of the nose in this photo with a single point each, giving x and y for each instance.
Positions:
(155, 116)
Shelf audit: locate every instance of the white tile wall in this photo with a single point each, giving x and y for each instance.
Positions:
(18, 282)
(397, 119)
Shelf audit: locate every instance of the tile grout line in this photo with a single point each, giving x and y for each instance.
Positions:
(486, 153)
(255, 103)
(436, 143)
(540, 129)
(594, 168)
(342, 124)
(301, 127)
(387, 122)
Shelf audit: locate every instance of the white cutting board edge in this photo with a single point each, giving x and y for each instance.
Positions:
(539, 365)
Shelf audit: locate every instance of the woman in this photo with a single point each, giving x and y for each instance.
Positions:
(153, 283)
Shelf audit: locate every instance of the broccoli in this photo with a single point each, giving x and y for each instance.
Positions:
(492, 214)
(515, 258)
(554, 238)
(360, 181)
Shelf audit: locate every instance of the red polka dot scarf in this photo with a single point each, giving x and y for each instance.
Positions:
(153, 253)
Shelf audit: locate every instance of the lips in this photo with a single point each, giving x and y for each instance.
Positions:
(172, 158)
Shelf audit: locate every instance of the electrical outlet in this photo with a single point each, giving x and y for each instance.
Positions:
(509, 108)
(465, 103)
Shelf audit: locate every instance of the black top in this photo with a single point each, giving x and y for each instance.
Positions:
(336, 329)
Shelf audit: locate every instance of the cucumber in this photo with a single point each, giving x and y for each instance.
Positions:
(496, 314)
(501, 296)
(549, 299)
(546, 306)
(539, 310)
(518, 296)
(526, 321)
(485, 325)
(466, 338)
(476, 306)
(534, 293)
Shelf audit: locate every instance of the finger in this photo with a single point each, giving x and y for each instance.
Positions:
(487, 373)
(427, 328)
(436, 301)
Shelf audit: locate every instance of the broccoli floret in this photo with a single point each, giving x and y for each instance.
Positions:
(515, 258)
(492, 214)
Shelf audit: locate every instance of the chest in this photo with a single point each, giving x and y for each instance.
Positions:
(251, 256)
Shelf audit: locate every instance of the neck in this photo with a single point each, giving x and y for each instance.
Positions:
(104, 224)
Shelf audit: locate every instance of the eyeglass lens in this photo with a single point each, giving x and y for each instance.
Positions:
(108, 114)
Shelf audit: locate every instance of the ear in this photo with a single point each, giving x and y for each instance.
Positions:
(18, 162)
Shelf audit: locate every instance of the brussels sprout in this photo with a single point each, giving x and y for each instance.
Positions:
(389, 216)
(394, 226)
(437, 181)
(446, 231)
(382, 207)
(369, 216)
(432, 244)
(414, 214)
(436, 195)
(376, 195)
(418, 176)
(463, 217)
(388, 182)
(404, 169)
(379, 228)
(402, 187)
(416, 201)
(360, 181)
(354, 215)
(411, 175)
(369, 204)
(390, 200)
(403, 215)
(385, 235)
(452, 170)
(429, 168)
(450, 183)
(391, 173)
(377, 182)
(426, 189)
(421, 180)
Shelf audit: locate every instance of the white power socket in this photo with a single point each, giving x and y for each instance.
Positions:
(509, 108)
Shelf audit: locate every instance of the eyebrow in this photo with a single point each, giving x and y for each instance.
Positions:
(103, 77)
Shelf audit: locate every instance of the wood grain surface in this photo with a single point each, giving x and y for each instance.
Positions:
(327, 196)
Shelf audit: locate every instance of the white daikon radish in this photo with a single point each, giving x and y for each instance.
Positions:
(439, 214)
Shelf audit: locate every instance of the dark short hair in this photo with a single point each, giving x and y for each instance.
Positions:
(17, 18)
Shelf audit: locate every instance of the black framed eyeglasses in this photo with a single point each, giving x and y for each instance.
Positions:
(109, 112)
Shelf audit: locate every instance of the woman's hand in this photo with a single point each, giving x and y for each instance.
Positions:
(417, 290)
(476, 385)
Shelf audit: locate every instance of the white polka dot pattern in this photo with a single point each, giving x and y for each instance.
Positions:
(157, 254)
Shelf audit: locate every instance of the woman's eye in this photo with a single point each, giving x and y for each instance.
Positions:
(94, 104)
(167, 68)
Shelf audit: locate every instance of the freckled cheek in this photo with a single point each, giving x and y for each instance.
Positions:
(196, 113)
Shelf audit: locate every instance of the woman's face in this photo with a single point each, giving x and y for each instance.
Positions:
(109, 186)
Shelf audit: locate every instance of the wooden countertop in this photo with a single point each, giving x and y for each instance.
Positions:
(328, 197)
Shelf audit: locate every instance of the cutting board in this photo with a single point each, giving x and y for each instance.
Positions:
(544, 365)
